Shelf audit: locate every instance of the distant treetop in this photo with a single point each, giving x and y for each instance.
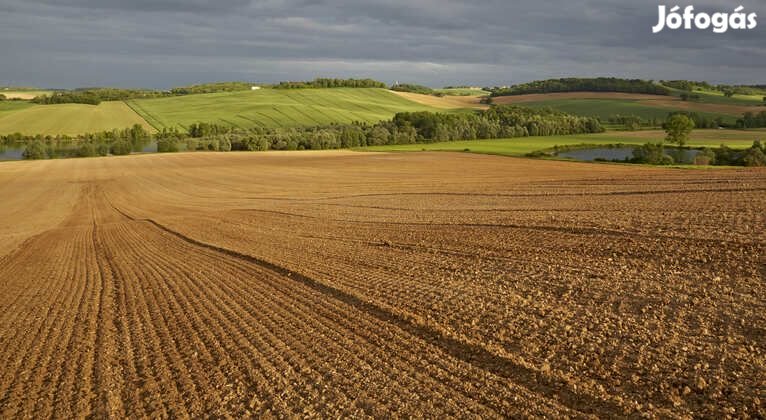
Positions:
(727, 90)
(572, 84)
(212, 88)
(331, 83)
(409, 87)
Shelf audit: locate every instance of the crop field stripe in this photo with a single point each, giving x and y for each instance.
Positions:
(148, 117)
(313, 100)
(291, 94)
(324, 106)
(292, 119)
(230, 123)
(341, 284)
(266, 116)
(318, 103)
(349, 109)
(270, 118)
(469, 353)
(254, 121)
(303, 113)
(342, 117)
(243, 309)
(297, 106)
(130, 249)
(132, 105)
(291, 116)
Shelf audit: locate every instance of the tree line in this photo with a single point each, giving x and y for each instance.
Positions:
(403, 128)
(572, 84)
(752, 120)
(331, 83)
(657, 154)
(94, 96)
(211, 88)
(410, 87)
(69, 97)
(727, 90)
(115, 142)
(635, 122)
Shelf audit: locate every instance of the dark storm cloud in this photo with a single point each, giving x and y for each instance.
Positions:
(163, 43)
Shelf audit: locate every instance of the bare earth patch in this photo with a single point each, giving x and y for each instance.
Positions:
(349, 284)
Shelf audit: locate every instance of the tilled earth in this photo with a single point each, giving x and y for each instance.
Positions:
(388, 285)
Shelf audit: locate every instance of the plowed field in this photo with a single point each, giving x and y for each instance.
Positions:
(326, 284)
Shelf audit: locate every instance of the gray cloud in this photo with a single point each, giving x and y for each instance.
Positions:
(162, 43)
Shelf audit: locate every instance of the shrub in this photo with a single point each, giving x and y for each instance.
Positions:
(224, 145)
(678, 128)
(255, 144)
(86, 150)
(408, 87)
(191, 145)
(102, 149)
(652, 153)
(167, 146)
(35, 150)
(705, 157)
(121, 147)
(754, 156)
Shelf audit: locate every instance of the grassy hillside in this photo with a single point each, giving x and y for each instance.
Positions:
(275, 107)
(12, 106)
(68, 119)
(521, 146)
(604, 108)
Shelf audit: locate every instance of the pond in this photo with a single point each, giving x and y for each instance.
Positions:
(16, 152)
(622, 153)
(11, 153)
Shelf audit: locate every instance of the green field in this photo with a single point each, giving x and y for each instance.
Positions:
(717, 97)
(737, 139)
(275, 107)
(605, 108)
(70, 119)
(12, 106)
(285, 108)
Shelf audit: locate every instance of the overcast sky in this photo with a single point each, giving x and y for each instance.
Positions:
(165, 43)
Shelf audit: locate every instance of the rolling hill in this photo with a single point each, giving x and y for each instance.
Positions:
(606, 104)
(244, 109)
(70, 119)
(275, 107)
(312, 107)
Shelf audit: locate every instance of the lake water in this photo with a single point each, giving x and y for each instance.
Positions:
(17, 153)
(11, 153)
(623, 153)
(150, 148)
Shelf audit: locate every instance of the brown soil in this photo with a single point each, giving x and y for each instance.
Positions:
(649, 100)
(360, 284)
